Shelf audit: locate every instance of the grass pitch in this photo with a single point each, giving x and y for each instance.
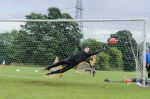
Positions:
(31, 83)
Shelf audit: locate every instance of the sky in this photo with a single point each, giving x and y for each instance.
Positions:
(99, 8)
(92, 9)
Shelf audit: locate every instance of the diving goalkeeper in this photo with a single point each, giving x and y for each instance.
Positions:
(74, 60)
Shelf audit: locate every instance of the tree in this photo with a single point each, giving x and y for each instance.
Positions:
(116, 62)
(41, 42)
(102, 61)
(126, 43)
(148, 46)
(92, 44)
(7, 47)
(106, 60)
(29, 51)
(3, 52)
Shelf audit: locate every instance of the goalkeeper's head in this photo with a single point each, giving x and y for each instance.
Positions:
(86, 49)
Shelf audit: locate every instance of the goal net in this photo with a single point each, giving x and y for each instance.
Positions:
(38, 42)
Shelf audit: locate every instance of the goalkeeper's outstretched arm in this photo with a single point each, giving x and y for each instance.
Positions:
(97, 52)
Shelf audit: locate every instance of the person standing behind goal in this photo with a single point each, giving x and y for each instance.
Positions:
(148, 63)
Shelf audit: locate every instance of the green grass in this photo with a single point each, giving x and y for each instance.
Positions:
(28, 84)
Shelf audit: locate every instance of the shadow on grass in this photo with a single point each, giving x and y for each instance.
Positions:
(50, 83)
(58, 83)
(25, 80)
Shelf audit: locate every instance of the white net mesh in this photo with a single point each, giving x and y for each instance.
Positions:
(37, 43)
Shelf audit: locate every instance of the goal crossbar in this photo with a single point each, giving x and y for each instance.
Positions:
(70, 20)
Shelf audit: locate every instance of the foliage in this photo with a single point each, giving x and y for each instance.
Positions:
(59, 36)
(115, 61)
(92, 44)
(108, 60)
(102, 61)
(40, 42)
(7, 47)
(128, 46)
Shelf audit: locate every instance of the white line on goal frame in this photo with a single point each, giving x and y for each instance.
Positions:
(70, 20)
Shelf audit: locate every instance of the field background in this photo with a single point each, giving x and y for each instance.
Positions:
(28, 84)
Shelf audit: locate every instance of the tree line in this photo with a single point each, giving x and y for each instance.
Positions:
(39, 43)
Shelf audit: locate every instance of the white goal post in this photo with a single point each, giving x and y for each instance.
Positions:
(35, 37)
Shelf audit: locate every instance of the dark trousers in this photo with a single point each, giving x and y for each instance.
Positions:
(63, 62)
(148, 69)
(68, 65)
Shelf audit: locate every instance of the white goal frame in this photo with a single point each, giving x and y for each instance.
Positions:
(97, 20)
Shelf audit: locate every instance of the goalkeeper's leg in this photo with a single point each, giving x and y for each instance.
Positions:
(92, 69)
(148, 70)
(66, 68)
(148, 74)
(56, 64)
